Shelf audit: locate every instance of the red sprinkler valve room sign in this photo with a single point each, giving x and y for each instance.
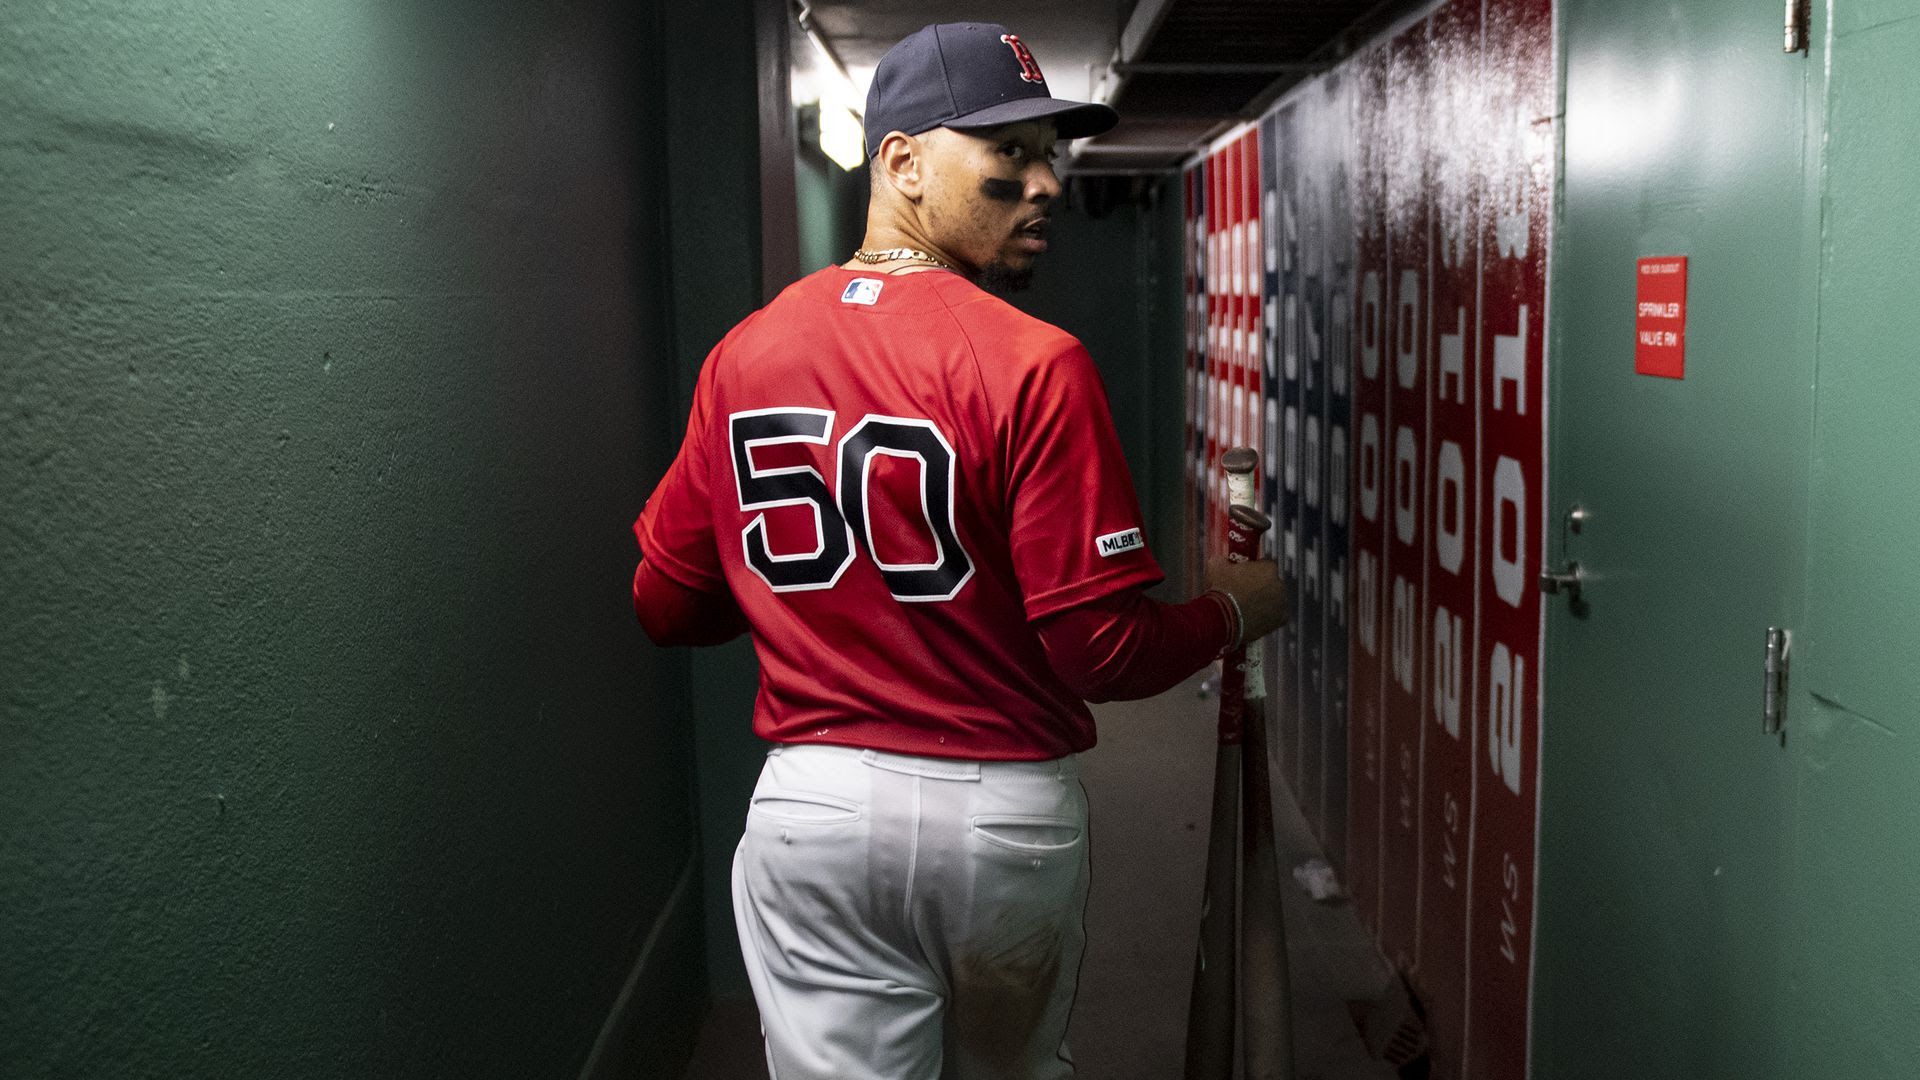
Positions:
(1660, 317)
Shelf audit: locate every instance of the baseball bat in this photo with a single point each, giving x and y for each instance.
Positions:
(1211, 1011)
(1266, 1006)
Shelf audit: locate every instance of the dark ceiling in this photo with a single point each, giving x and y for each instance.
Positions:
(1177, 71)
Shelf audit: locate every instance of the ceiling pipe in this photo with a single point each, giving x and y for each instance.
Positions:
(1142, 24)
(1301, 68)
(803, 14)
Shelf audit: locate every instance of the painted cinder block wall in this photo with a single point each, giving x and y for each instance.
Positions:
(1852, 938)
(336, 356)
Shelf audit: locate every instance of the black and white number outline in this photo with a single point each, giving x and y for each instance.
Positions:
(944, 528)
(743, 466)
(905, 582)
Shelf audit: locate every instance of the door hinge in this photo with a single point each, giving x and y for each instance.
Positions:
(1779, 656)
(1799, 14)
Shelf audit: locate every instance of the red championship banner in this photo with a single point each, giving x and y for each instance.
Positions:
(1247, 335)
(1233, 317)
(1518, 141)
(1193, 243)
(1403, 570)
(1220, 279)
(1226, 284)
(1215, 175)
(1246, 363)
(1453, 490)
(1327, 283)
(1367, 747)
(1214, 354)
(1252, 247)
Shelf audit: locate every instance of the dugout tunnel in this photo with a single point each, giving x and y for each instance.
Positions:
(341, 341)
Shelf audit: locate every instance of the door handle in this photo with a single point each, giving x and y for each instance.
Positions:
(1567, 580)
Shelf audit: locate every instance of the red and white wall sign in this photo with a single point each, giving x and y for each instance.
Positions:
(1660, 317)
(1399, 369)
(1224, 328)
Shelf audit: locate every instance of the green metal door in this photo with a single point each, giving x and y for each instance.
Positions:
(1665, 818)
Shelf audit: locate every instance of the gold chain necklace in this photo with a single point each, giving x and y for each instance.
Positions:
(902, 253)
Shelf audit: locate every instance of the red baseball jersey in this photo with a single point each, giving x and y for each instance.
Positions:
(894, 475)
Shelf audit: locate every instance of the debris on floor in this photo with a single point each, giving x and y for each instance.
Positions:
(1318, 879)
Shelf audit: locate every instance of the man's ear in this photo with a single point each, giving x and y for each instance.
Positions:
(901, 164)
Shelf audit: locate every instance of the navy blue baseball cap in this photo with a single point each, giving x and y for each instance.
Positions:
(968, 76)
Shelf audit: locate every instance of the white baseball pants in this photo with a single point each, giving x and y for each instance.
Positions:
(913, 918)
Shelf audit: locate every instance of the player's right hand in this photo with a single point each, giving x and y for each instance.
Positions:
(1257, 588)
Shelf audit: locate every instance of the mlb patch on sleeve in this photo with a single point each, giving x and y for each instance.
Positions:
(1116, 543)
(863, 290)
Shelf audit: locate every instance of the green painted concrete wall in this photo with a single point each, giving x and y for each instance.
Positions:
(334, 349)
(832, 203)
(1852, 987)
(1111, 278)
(713, 266)
(1162, 474)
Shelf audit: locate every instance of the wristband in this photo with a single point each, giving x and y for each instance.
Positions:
(1236, 622)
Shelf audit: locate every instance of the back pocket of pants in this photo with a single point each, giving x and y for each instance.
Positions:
(1026, 833)
(804, 808)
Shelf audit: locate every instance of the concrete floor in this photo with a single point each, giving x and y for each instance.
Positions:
(1149, 782)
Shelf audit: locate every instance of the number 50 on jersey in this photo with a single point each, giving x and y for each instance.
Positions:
(841, 522)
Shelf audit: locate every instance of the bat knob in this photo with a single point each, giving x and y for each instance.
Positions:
(1240, 459)
(1249, 519)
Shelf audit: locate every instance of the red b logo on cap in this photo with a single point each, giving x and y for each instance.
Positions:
(1029, 68)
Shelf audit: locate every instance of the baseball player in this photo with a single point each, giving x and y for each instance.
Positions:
(911, 494)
